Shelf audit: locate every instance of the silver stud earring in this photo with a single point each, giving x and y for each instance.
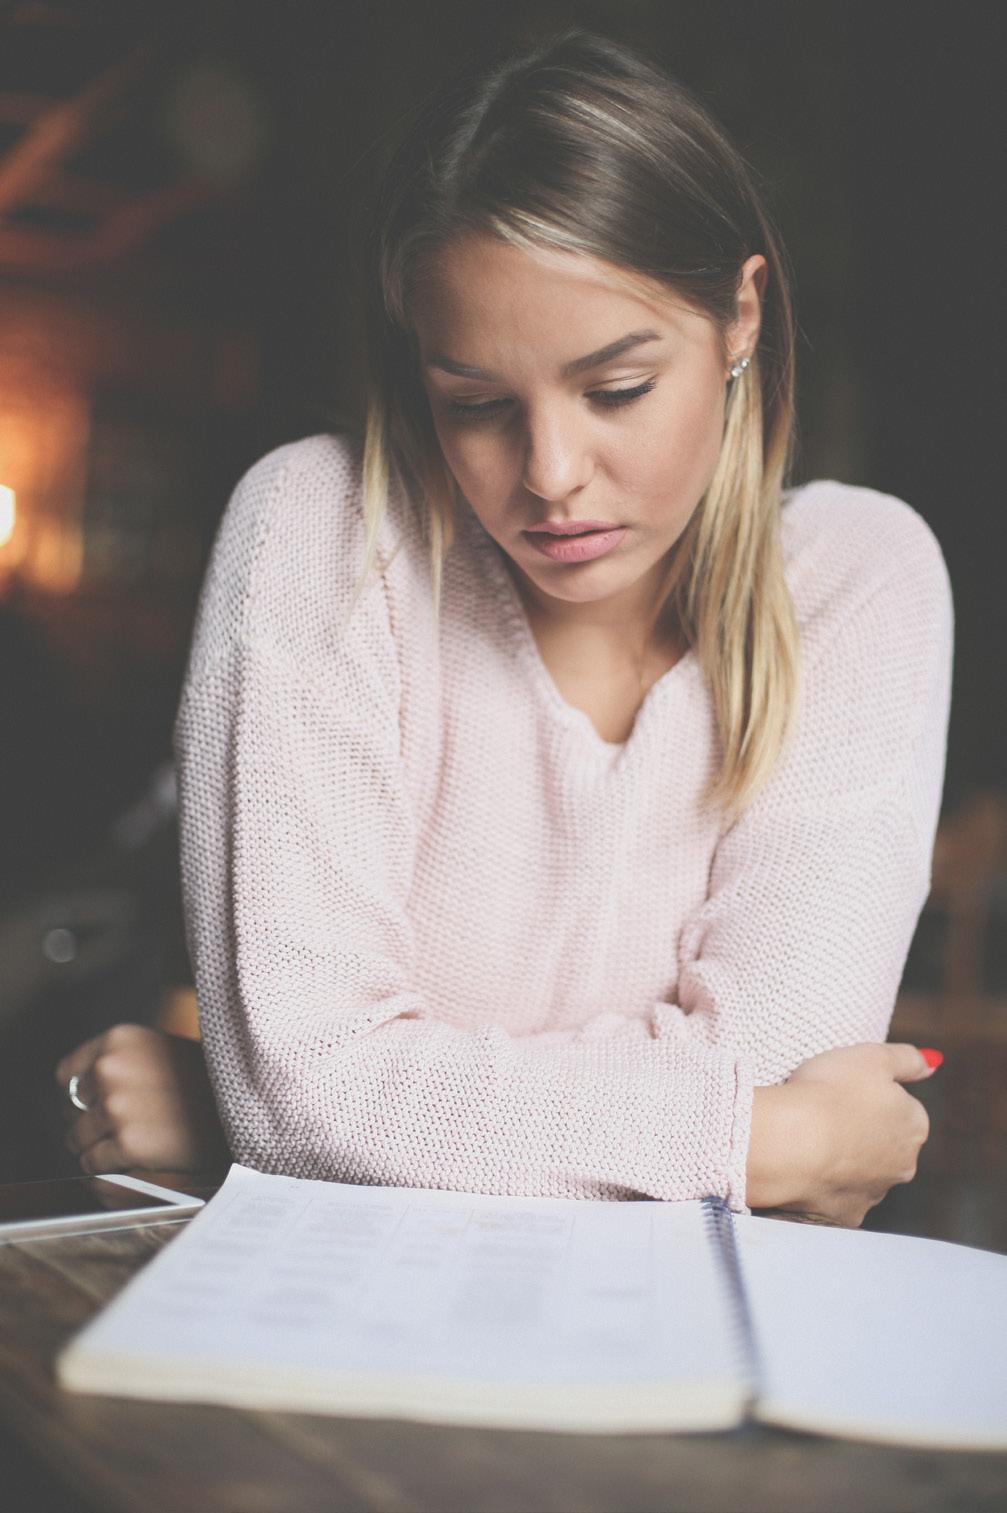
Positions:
(739, 367)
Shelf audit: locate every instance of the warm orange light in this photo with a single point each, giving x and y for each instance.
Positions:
(58, 555)
(8, 514)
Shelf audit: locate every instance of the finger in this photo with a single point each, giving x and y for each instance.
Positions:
(87, 1129)
(79, 1060)
(105, 1156)
(82, 1060)
(88, 1092)
(908, 1063)
(87, 1097)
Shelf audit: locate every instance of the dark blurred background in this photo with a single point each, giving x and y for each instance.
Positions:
(182, 192)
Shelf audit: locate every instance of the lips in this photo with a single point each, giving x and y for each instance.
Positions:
(569, 527)
(580, 546)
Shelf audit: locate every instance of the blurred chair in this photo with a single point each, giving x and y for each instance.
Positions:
(954, 997)
(970, 858)
(177, 1013)
(954, 984)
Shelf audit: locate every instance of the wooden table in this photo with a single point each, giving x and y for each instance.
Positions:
(85, 1454)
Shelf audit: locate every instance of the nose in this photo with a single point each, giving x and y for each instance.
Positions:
(557, 459)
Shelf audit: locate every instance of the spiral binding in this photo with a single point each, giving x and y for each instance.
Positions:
(721, 1226)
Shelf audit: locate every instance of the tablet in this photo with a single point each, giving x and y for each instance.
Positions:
(77, 1205)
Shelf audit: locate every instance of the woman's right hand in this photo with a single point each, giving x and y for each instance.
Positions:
(839, 1132)
(150, 1106)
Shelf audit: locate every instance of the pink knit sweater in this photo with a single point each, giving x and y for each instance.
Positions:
(444, 935)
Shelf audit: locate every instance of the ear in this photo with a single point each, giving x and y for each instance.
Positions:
(743, 334)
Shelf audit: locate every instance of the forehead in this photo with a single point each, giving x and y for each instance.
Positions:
(483, 282)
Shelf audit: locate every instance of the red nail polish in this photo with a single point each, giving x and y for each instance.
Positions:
(931, 1057)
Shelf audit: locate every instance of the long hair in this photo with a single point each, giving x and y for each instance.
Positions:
(581, 144)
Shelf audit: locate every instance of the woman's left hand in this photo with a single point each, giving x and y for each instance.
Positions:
(149, 1103)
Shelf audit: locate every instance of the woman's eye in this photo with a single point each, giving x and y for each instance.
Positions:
(607, 398)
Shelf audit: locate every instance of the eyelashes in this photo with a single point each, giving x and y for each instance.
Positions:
(609, 399)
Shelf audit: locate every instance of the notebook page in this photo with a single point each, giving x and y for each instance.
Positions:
(877, 1336)
(467, 1308)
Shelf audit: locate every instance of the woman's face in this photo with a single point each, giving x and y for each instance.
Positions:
(536, 423)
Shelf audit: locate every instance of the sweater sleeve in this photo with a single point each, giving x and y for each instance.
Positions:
(298, 843)
(816, 891)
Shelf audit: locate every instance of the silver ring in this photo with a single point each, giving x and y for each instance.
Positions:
(74, 1096)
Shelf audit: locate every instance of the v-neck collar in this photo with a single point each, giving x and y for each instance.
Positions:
(522, 637)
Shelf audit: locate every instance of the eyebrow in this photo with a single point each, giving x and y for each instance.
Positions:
(576, 365)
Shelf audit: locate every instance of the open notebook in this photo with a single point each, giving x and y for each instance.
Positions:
(561, 1314)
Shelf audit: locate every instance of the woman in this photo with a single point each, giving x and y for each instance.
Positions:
(558, 787)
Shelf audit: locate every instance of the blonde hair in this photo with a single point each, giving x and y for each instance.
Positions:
(582, 145)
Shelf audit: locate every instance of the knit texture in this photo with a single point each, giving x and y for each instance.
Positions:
(445, 935)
